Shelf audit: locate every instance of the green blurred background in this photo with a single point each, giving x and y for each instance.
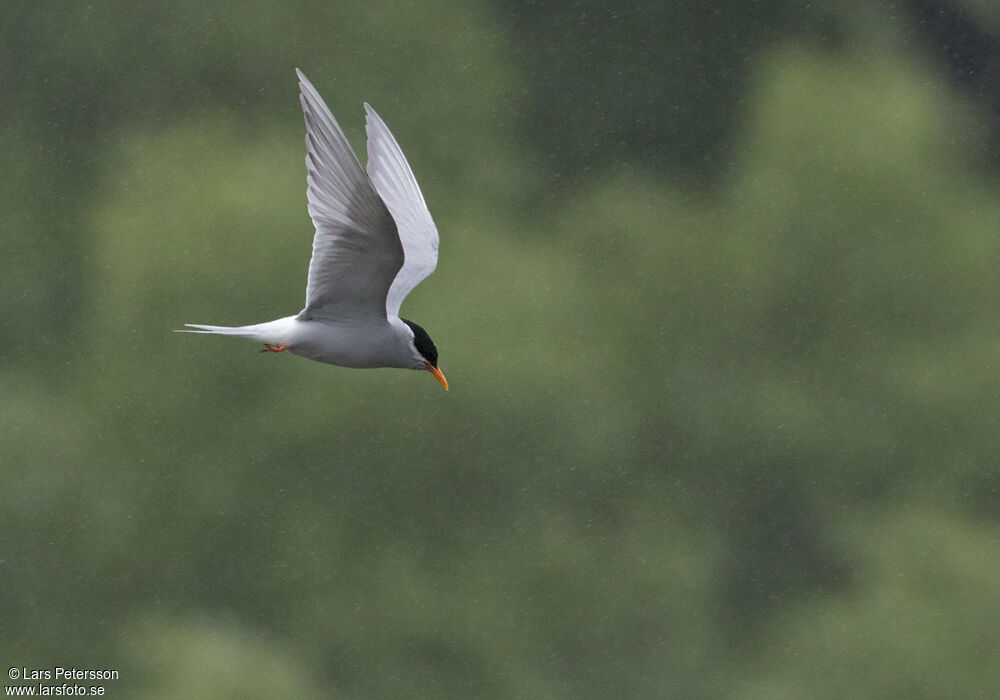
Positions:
(717, 300)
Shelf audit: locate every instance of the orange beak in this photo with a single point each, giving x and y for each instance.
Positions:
(438, 374)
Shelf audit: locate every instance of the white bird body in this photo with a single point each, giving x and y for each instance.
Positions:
(361, 344)
(375, 241)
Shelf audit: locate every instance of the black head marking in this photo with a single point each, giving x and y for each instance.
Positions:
(423, 343)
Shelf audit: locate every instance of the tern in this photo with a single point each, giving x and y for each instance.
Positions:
(375, 241)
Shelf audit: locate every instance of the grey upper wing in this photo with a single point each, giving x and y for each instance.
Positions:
(395, 183)
(356, 249)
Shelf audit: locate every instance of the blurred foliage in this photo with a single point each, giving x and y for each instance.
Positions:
(658, 85)
(735, 440)
(911, 624)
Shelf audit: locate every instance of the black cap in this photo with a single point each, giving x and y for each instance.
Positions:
(423, 343)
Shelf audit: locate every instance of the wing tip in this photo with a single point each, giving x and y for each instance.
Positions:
(372, 118)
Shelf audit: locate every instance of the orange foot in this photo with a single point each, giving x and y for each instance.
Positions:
(280, 347)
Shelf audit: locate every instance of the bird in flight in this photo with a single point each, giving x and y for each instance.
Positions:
(375, 241)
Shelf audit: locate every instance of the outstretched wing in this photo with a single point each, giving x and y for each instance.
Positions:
(356, 250)
(395, 183)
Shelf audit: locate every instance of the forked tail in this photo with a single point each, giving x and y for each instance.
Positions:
(271, 333)
(238, 331)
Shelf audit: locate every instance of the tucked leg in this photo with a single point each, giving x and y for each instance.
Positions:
(280, 347)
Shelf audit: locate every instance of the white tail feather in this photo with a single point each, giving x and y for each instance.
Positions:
(238, 331)
(271, 333)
